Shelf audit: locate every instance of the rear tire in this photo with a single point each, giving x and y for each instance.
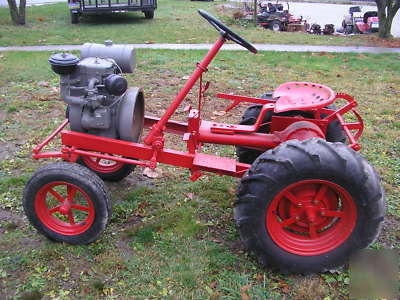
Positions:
(334, 131)
(67, 203)
(74, 17)
(149, 14)
(305, 207)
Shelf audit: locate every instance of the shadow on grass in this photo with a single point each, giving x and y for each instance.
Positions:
(114, 18)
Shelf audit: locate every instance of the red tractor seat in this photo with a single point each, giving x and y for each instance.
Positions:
(302, 96)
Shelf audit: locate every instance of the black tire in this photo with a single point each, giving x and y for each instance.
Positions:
(349, 29)
(149, 14)
(74, 17)
(334, 131)
(114, 176)
(89, 219)
(295, 162)
(276, 25)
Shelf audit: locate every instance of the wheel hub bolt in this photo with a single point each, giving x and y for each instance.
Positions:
(63, 210)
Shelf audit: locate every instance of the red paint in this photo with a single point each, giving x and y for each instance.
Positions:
(302, 96)
(102, 165)
(292, 96)
(157, 128)
(57, 208)
(311, 217)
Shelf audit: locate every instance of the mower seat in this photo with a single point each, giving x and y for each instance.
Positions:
(302, 96)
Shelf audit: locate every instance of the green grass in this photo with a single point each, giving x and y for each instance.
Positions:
(176, 21)
(171, 238)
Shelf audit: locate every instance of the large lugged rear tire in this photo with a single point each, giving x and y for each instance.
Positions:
(67, 202)
(305, 207)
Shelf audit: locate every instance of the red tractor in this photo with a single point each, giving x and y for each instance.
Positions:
(306, 201)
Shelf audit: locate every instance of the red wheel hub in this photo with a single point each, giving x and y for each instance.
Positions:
(64, 208)
(311, 217)
(102, 165)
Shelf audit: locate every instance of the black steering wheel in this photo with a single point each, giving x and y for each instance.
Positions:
(226, 32)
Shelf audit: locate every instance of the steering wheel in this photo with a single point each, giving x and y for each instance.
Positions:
(226, 32)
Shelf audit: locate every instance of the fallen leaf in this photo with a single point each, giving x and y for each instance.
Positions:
(190, 196)
(213, 284)
(40, 19)
(245, 288)
(152, 173)
(43, 83)
(245, 296)
(322, 53)
(219, 112)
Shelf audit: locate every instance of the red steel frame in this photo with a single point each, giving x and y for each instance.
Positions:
(197, 132)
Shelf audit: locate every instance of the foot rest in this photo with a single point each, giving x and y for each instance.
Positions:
(212, 162)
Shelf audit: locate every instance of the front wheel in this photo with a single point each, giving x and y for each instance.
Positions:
(68, 203)
(276, 25)
(305, 207)
(106, 169)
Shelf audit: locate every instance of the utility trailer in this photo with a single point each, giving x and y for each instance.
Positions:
(83, 7)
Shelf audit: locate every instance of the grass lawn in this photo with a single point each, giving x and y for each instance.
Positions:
(170, 238)
(176, 21)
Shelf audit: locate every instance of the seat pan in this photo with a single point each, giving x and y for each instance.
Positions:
(302, 96)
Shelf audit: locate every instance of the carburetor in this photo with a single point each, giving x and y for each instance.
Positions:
(98, 98)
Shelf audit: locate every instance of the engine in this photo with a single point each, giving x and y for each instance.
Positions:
(98, 99)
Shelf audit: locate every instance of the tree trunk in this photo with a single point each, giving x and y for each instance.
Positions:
(17, 13)
(387, 9)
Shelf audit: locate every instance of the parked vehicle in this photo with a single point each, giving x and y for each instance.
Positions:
(274, 17)
(306, 200)
(357, 21)
(83, 7)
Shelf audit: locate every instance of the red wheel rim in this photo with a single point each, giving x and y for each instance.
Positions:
(102, 165)
(64, 208)
(311, 217)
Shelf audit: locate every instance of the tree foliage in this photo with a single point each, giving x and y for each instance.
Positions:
(387, 9)
(17, 12)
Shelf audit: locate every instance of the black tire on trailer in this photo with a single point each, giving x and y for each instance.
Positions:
(334, 131)
(276, 25)
(68, 203)
(305, 207)
(149, 14)
(74, 17)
